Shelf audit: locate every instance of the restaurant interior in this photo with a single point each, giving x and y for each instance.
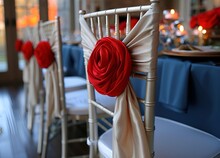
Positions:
(109, 78)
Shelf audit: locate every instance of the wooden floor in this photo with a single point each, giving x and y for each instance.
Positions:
(15, 139)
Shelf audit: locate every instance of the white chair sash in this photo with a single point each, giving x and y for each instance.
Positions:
(26, 36)
(35, 82)
(25, 74)
(35, 74)
(52, 83)
(52, 92)
(129, 138)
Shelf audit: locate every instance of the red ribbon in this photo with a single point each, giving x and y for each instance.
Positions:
(28, 50)
(44, 54)
(109, 66)
(18, 45)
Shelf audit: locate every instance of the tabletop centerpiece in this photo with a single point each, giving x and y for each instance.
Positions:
(206, 27)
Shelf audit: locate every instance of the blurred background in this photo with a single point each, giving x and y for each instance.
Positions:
(15, 15)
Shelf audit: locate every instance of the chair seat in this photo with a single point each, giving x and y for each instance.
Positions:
(74, 83)
(71, 82)
(172, 140)
(77, 102)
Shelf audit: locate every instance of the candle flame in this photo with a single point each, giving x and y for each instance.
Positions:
(172, 11)
(200, 28)
(181, 28)
(204, 31)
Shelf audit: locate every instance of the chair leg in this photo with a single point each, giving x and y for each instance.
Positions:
(93, 146)
(64, 135)
(93, 152)
(26, 97)
(30, 117)
(45, 140)
(41, 128)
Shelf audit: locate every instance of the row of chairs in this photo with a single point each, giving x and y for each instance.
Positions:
(64, 97)
(132, 134)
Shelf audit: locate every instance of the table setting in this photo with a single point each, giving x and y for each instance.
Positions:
(194, 51)
(202, 40)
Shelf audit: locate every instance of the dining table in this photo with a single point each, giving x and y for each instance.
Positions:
(187, 88)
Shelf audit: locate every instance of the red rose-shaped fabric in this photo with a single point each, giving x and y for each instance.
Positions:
(18, 45)
(28, 50)
(193, 21)
(207, 19)
(122, 24)
(44, 54)
(109, 66)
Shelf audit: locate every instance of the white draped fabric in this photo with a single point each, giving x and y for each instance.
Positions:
(27, 36)
(129, 138)
(35, 80)
(51, 77)
(26, 73)
(52, 92)
(32, 72)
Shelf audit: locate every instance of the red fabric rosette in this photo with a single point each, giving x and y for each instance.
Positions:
(28, 50)
(207, 20)
(18, 45)
(193, 21)
(122, 24)
(44, 54)
(109, 66)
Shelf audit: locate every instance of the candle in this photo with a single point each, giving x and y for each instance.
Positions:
(180, 31)
(200, 35)
(172, 15)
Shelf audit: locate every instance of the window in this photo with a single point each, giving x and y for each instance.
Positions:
(52, 9)
(197, 6)
(27, 15)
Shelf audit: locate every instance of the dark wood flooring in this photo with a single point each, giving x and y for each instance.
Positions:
(15, 139)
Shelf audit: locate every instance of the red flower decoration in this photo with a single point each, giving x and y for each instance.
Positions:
(193, 21)
(109, 66)
(122, 24)
(207, 20)
(44, 54)
(27, 50)
(18, 45)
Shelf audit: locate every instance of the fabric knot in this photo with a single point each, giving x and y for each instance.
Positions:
(109, 66)
(28, 50)
(44, 54)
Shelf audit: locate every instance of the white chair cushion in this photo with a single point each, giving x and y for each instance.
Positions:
(77, 102)
(105, 144)
(74, 83)
(173, 140)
